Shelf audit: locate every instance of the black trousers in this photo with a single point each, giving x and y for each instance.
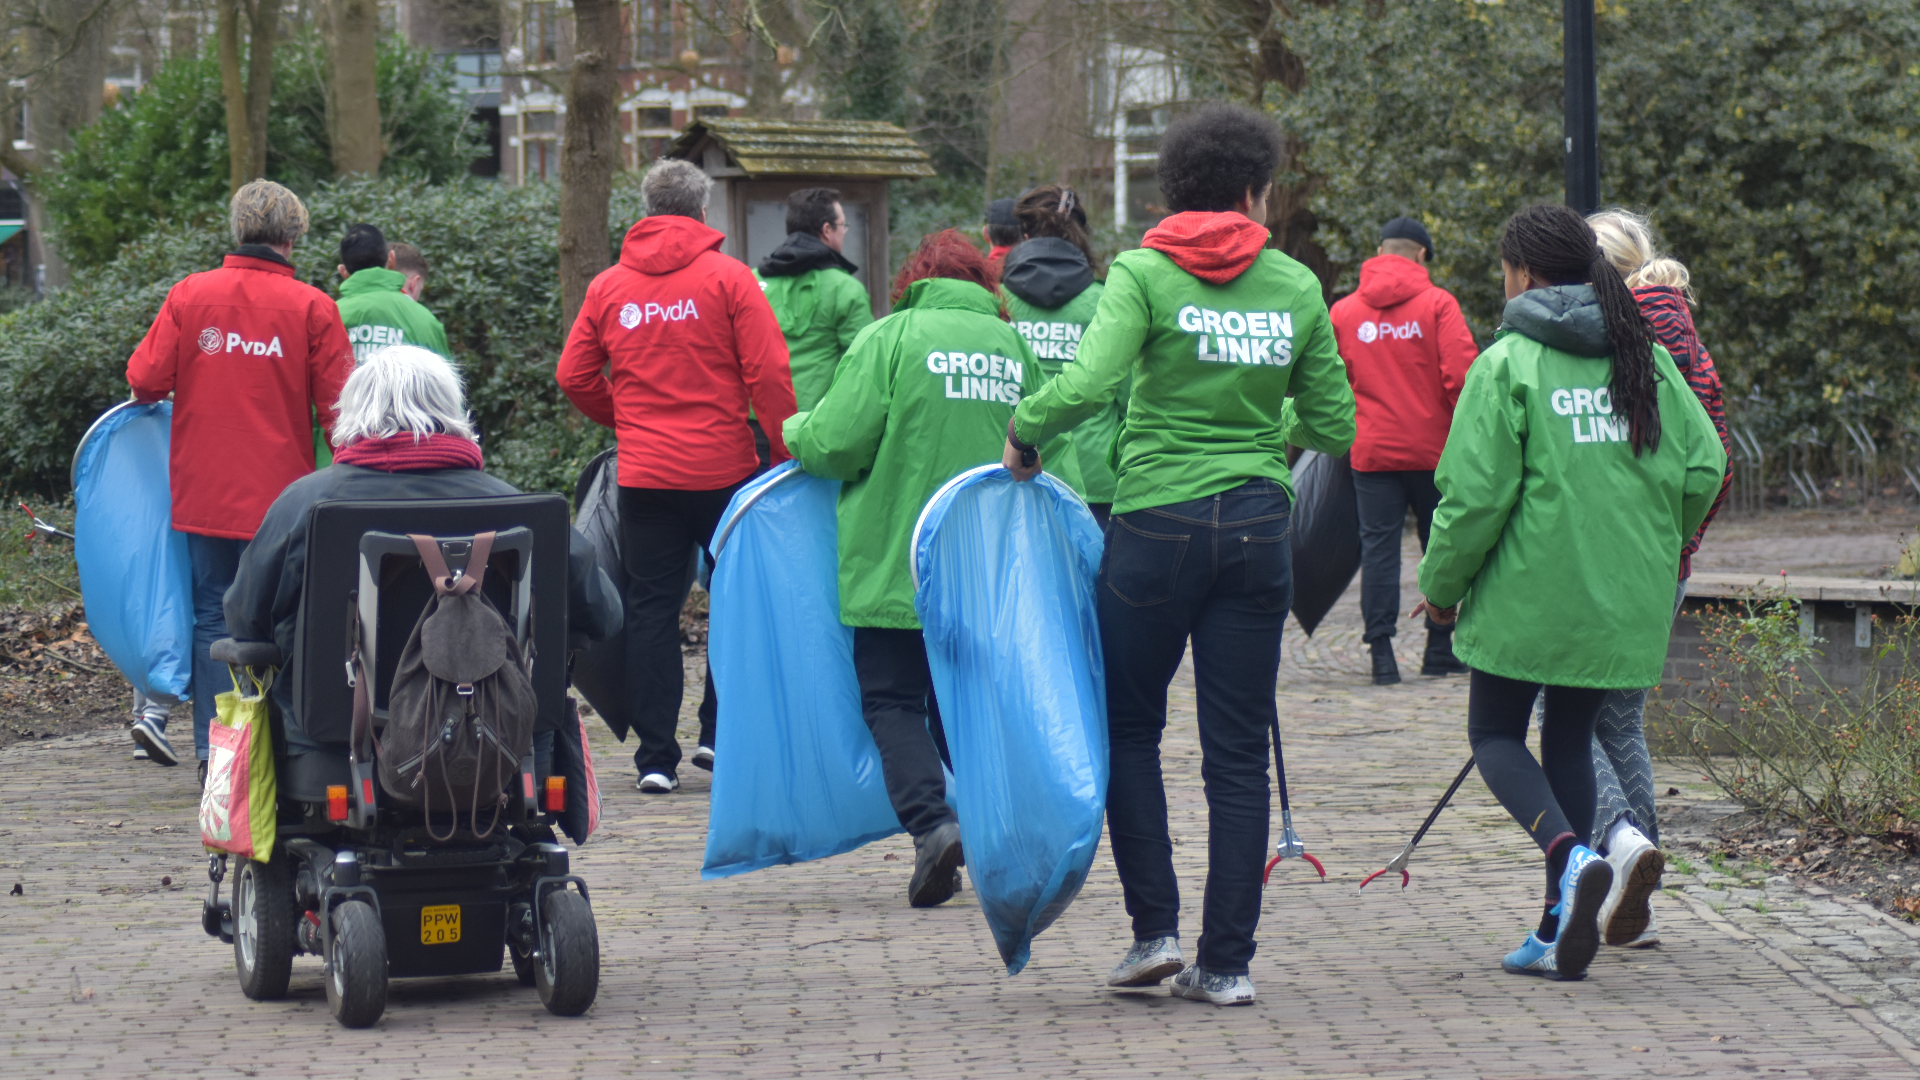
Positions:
(896, 697)
(1384, 498)
(659, 530)
(1549, 797)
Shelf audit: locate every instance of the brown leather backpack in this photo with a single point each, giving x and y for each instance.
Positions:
(461, 710)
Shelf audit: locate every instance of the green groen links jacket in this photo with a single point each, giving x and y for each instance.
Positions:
(1213, 368)
(1080, 457)
(1560, 546)
(820, 312)
(378, 314)
(922, 395)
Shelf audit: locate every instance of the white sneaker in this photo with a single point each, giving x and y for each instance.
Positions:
(1198, 984)
(657, 784)
(1148, 963)
(1637, 866)
(703, 758)
(1648, 937)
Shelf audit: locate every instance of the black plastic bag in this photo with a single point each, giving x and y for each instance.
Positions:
(1326, 535)
(571, 760)
(600, 670)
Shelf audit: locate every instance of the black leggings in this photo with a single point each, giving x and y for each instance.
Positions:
(1550, 801)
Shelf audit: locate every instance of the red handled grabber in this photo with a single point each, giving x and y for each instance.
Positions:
(1290, 845)
(1400, 861)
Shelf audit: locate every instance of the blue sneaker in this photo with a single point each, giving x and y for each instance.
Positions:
(1533, 957)
(148, 736)
(1583, 888)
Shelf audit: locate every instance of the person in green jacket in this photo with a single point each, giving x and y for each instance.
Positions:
(1578, 464)
(923, 395)
(374, 306)
(1231, 355)
(810, 283)
(1051, 296)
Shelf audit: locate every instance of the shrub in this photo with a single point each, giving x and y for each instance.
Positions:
(163, 157)
(494, 285)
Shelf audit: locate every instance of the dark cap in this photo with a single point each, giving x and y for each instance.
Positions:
(1406, 228)
(1000, 212)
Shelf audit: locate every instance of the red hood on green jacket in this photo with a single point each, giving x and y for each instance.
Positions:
(1214, 247)
(667, 242)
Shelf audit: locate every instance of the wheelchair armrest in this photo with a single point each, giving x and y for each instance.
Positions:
(246, 653)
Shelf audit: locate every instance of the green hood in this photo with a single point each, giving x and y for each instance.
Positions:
(942, 292)
(377, 314)
(371, 280)
(1564, 317)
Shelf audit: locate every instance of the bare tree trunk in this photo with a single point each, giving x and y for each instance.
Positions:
(249, 90)
(353, 102)
(68, 94)
(589, 150)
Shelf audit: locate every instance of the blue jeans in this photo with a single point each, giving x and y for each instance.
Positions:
(1218, 570)
(216, 560)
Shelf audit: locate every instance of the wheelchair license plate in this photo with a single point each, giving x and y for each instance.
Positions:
(440, 925)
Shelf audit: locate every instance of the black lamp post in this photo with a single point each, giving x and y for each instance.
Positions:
(1582, 108)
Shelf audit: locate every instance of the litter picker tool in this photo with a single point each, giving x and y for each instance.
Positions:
(41, 526)
(1400, 861)
(1290, 846)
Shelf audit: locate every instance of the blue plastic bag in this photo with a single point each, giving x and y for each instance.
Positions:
(135, 577)
(1004, 577)
(796, 774)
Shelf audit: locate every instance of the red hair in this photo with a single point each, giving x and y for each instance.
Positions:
(947, 254)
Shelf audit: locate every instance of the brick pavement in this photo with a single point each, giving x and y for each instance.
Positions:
(822, 969)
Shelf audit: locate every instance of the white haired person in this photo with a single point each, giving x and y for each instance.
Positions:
(403, 433)
(1624, 826)
(252, 356)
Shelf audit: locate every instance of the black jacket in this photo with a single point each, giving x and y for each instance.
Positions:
(800, 253)
(264, 602)
(1046, 272)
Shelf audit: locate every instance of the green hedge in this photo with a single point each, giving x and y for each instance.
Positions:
(494, 285)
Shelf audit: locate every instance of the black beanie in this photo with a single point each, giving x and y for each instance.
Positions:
(1406, 228)
(1000, 212)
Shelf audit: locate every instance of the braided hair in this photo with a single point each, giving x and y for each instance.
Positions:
(1054, 210)
(1555, 245)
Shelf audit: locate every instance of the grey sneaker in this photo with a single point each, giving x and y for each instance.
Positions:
(937, 856)
(148, 735)
(1198, 984)
(1148, 963)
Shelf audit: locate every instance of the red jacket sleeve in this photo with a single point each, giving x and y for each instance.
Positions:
(582, 369)
(1457, 349)
(329, 361)
(155, 363)
(763, 360)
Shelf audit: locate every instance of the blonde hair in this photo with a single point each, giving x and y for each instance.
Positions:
(263, 212)
(1627, 240)
(402, 388)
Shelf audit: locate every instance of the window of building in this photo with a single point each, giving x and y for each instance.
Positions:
(709, 112)
(653, 29)
(476, 71)
(712, 25)
(653, 118)
(543, 33)
(539, 145)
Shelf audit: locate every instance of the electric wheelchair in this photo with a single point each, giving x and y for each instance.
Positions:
(367, 885)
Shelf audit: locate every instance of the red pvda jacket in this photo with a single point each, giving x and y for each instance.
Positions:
(248, 352)
(668, 349)
(1407, 350)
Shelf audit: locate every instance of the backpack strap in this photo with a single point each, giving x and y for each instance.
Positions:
(444, 582)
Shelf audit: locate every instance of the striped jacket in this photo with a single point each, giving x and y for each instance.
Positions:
(1666, 310)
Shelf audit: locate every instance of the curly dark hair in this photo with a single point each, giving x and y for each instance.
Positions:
(1211, 157)
(946, 254)
(1555, 245)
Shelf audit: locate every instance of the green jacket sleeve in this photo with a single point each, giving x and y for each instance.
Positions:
(1319, 413)
(437, 337)
(856, 312)
(1100, 368)
(1706, 456)
(1479, 480)
(840, 437)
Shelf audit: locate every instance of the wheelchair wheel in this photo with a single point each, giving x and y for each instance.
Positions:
(357, 970)
(263, 926)
(567, 972)
(523, 966)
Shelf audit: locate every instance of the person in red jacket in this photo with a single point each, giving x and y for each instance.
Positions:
(251, 355)
(672, 344)
(1407, 350)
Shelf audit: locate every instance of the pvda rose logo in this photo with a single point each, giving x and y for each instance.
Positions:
(630, 316)
(1368, 332)
(210, 339)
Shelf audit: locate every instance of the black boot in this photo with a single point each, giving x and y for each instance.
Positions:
(937, 857)
(1385, 671)
(1439, 658)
